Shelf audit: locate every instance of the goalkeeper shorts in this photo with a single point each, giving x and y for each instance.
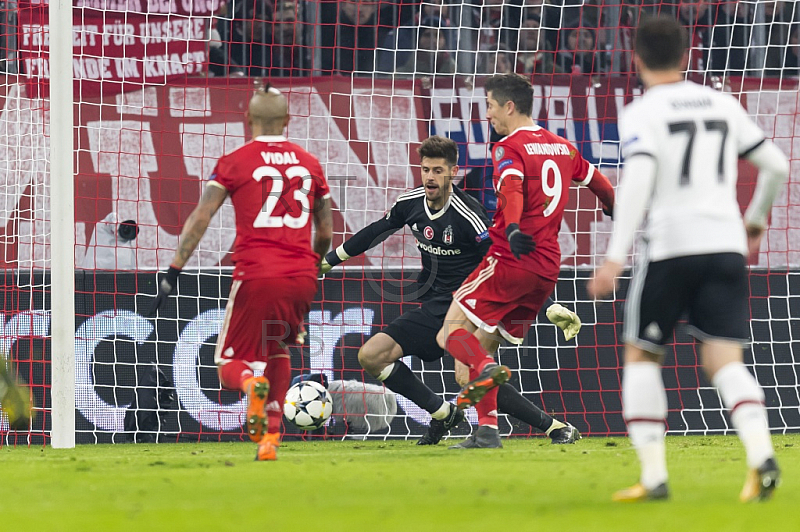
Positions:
(415, 331)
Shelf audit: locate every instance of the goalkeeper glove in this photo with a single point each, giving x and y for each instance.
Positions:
(519, 242)
(300, 339)
(564, 319)
(329, 261)
(165, 288)
(324, 266)
(609, 211)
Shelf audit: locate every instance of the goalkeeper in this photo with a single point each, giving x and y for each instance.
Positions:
(450, 228)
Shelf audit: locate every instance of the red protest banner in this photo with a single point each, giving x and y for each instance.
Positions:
(114, 51)
(197, 8)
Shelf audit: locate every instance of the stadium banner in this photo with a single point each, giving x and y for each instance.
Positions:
(116, 344)
(115, 50)
(197, 8)
(582, 109)
(365, 133)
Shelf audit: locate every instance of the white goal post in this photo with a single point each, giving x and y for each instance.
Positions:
(62, 223)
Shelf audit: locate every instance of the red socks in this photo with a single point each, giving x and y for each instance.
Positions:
(487, 408)
(279, 374)
(465, 348)
(233, 374)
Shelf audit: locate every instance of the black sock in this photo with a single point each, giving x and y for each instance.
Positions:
(403, 381)
(511, 402)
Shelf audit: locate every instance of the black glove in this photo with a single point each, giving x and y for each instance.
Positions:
(519, 242)
(165, 288)
(609, 211)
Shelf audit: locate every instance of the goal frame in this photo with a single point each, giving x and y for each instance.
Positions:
(62, 227)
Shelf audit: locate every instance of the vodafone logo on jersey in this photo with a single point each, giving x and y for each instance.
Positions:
(438, 250)
(428, 232)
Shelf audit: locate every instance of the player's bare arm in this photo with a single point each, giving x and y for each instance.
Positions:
(323, 225)
(193, 230)
(197, 223)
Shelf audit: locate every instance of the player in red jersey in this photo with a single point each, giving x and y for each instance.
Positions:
(276, 188)
(533, 169)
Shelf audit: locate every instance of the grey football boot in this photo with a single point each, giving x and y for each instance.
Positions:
(483, 438)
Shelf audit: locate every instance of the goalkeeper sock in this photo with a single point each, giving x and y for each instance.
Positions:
(279, 374)
(233, 374)
(467, 349)
(400, 379)
(487, 407)
(513, 403)
(644, 405)
(742, 395)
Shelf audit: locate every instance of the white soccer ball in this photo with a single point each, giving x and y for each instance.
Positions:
(308, 405)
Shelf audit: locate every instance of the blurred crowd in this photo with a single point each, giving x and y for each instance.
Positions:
(473, 37)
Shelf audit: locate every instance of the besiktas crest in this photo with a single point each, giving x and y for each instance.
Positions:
(447, 235)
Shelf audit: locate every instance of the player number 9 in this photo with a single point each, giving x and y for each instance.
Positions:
(265, 218)
(554, 192)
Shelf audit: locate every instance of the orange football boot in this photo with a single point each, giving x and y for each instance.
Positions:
(268, 447)
(257, 390)
(491, 377)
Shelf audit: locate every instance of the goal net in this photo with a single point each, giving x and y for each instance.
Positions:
(160, 91)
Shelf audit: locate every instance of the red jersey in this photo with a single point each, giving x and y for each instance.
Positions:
(544, 164)
(273, 185)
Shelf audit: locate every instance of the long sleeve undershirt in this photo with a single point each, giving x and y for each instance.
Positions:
(774, 170)
(366, 239)
(635, 191)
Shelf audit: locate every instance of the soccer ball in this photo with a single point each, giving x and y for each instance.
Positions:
(308, 405)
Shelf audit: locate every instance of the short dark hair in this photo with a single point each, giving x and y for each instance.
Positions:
(661, 42)
(435, 147)
(514, 88)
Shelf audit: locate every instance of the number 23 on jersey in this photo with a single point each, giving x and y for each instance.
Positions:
(279, 209)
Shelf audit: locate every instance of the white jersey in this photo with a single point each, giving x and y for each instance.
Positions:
(696, 136)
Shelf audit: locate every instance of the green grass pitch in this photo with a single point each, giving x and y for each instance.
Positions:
(385, 485)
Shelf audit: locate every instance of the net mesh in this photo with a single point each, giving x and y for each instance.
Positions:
(161, 88)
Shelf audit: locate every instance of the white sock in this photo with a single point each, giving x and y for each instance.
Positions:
(742, 395)
(644, 406)
(443, 411)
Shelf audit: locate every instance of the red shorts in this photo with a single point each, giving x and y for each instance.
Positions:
(262, 316)
(496, 297)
